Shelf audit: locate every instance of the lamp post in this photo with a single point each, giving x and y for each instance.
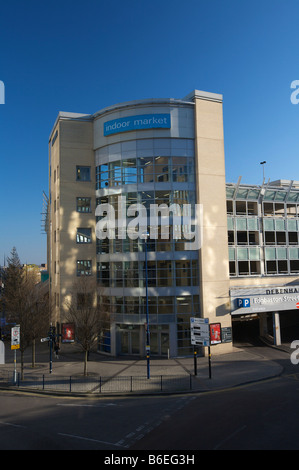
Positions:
(263, 163)
(147, 347)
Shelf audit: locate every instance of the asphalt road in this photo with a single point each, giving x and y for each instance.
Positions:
(260, 416)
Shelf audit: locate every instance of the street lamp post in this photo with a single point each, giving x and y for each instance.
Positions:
(263, 163)
(147, 315)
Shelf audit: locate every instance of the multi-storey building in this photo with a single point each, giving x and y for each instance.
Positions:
(264, 254)
(171, 152)
(148, 152)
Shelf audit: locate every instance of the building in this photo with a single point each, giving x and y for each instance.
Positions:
(264, 256)
(152, 151)
(171, 152)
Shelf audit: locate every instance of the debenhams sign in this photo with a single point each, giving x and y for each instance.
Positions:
(269, 299)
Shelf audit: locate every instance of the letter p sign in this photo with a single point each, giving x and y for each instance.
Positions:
(243, 303)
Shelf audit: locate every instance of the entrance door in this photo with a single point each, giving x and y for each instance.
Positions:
(129, 340)
(159, 340)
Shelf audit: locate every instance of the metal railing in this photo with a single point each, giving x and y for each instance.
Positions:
(99, 384)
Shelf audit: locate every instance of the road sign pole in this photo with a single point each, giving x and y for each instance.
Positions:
(15, 367)
(210, 365)
(51, 361)
(195, 362)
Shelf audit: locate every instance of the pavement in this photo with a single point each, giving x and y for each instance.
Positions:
(242, 366)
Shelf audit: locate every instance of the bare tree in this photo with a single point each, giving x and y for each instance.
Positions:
(86, 311)
(26, 303)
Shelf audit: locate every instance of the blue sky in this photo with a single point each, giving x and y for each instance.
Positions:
(76, 56)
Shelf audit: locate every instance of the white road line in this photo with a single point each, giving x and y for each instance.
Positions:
(88, 439)
(11, 424)
(104, 405)
(230, 436)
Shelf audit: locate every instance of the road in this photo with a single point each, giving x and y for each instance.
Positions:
(48, 423)
(260, 416)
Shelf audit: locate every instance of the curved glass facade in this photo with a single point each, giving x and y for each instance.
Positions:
(157, 171)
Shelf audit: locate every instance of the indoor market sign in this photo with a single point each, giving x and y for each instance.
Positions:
(132, 123)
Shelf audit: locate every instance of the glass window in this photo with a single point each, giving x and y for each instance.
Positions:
(103, 274)
(253, 194)
(292, 225)
(164, 273)
(242, 193)
(242, 254)
(129, 171)
(294, 253)
(230, 223)
(131, 273)
(279, 225)
(254, 254)
(146, 169)
(83, 235)
(241, 224)
(230, 191)
(269, 195)
(115, 173)
(102, 176)
(231, 252)
(183, 273)
(281, 253)
(253, 224)
(83, 267)
(165, 306)
(83, 173)
(179, 170)
(269, 225)
(161, 169)
(270, 254)
(184, 305)
(280, 196)
(293, 196)
(84, 204)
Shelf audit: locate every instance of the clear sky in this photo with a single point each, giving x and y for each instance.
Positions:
(80, 56)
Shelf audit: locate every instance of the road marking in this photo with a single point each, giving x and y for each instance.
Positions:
(104, 405)
(11, 424)
(230, 436)
(88, 439)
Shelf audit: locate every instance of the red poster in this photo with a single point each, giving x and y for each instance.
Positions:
(215, 333)
(68, 332)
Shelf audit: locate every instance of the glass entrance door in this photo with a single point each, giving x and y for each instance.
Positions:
(159, 341)
(129, 339)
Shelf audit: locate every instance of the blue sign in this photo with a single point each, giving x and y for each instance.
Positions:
(243, 303)
(132, 123)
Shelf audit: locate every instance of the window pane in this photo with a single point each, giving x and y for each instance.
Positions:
(241, 224)
(83, 173)
(83, 267)
(83, 235)
(84, 204)
(242, 254)
(270, 253)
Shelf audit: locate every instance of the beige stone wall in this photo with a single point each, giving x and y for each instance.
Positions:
(73, 147)
(211, 193)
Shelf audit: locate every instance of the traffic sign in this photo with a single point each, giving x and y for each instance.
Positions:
(43, 340)
(200, 331)
(15, 337)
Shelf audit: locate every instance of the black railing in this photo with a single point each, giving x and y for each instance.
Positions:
(99, 384)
